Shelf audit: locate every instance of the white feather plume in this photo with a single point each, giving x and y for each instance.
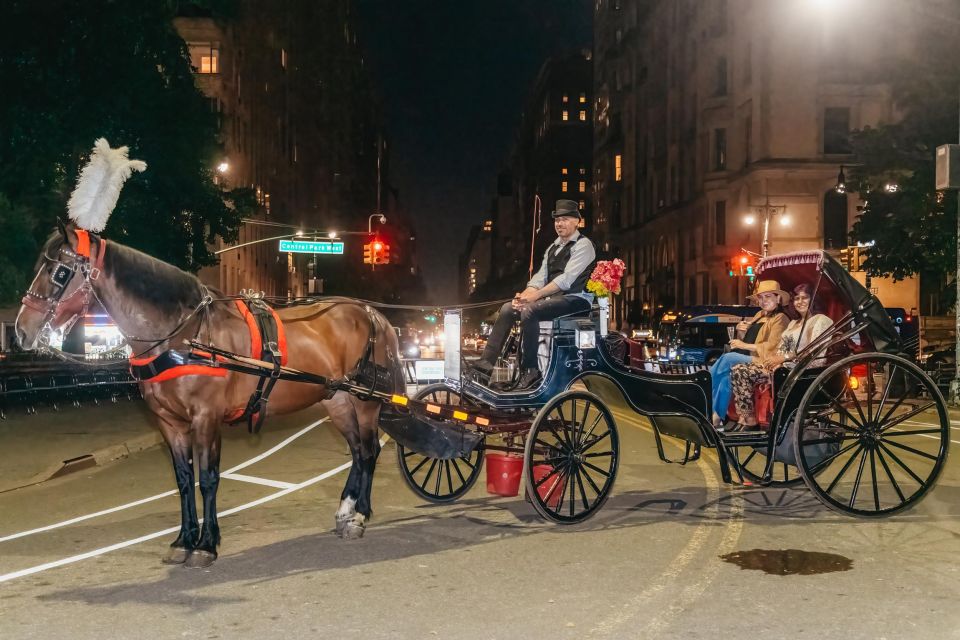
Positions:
(98, 188)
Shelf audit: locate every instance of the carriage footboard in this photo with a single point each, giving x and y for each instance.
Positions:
(428, 437)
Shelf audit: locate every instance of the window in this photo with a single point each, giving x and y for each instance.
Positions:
(205, 57)
(583, 205)
(720, 221)
(721, 86)
(583, 98)
(836, 130)
(563, 171)
(488, 225)
(565, 115)
(583, 171)
(618, 167)
(566, 98)
(583, 187)
(583, 116)
(563, 186)
(283, 58)
(719, 149)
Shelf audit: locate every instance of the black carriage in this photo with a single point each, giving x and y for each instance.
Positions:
(867, 432)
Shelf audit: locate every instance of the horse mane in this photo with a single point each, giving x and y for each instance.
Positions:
(145, 278)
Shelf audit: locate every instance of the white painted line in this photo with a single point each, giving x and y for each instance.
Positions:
(254, 480)
(159, 496)
(156, 534)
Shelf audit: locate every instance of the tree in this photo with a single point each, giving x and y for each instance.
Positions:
(913, 227)
(117, 70)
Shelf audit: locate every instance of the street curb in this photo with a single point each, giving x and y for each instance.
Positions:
(98, 458)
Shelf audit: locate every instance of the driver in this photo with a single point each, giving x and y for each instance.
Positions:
(557, 289)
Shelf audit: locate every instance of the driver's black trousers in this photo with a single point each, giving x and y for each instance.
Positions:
(530, 318)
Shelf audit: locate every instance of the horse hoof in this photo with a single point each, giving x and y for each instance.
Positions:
(200, 559)
(175, 555)
(353, 530)
(341, 525)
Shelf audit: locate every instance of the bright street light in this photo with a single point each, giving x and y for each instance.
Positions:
(223, 167)
(299, 234)
(332, 234)
(785, 220)
(749, 219)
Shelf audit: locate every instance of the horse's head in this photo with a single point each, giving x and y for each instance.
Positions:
(61, 289)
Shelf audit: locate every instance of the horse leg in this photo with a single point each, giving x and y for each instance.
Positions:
(206, 445)
(368, 414)
(344, 418)
(176, 434)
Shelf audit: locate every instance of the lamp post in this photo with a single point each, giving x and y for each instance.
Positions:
(767, 211)
(298, 234)
(382, 220)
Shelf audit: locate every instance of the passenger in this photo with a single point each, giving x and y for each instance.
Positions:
(761, 335)
(799, 333)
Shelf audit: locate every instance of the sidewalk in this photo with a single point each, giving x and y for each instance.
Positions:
(34, 448)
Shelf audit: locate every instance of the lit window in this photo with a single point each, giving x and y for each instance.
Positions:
(283, 58)
(583, 98)
(566, 115)
(563, 186)
(563, 171)
(205, 57)
(583, 115)
(488, 225)
(566, 98)
(583, 187)
(583, 204)
(583, 171)
(618, 167)
(582, 223)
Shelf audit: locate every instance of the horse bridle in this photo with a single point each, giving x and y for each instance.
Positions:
(66, 266)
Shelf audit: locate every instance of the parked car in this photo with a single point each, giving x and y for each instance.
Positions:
(697, 335)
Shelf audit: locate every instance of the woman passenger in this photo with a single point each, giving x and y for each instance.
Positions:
(761, 335)
(798, 334)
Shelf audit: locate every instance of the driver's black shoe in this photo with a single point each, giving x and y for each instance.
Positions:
(529, 379)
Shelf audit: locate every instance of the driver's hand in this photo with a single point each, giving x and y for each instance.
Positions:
(527, 296)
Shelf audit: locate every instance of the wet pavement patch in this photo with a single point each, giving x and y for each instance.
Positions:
(788, 562)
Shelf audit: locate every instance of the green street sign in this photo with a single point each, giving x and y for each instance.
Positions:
(308, 246)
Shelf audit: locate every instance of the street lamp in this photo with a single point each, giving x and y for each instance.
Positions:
(298, 234)
(223, 167)
(767, 210)
(383, 220)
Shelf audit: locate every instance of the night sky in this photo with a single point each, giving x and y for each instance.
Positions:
(453, 76)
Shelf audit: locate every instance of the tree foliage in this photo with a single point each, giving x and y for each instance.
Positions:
(914, 228)
(76, 70)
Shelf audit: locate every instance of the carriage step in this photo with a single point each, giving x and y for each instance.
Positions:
(744, 438)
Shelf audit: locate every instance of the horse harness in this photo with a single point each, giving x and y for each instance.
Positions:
(66, 265)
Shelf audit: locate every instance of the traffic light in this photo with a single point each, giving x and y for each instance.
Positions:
(368, 253)
(742, 265)
(383, 253)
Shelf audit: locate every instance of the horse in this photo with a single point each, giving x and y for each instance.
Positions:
(156, 306)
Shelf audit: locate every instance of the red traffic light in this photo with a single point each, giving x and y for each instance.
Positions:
(377, 246)
(744, 259)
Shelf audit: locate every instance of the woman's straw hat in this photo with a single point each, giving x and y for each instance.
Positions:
(769, 286)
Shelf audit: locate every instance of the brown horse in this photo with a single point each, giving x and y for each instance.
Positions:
(156, 306)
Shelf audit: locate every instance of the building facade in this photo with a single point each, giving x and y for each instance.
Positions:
(551, 159)
(299, 127)
(713, 115)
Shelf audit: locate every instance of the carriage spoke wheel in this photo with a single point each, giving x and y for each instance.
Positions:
(572, 452)
(753, 463)
(875, 435)
(433, 479)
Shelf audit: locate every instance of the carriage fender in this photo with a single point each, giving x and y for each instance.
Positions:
(431, 438)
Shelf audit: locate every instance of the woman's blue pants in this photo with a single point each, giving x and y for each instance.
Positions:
(720, 375)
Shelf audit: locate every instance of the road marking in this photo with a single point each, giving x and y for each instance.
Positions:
(165, 494)
(255, 480)
(699, 538)
(156, 534)
(924, 435)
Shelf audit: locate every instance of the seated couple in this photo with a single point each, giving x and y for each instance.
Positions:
(771, 338)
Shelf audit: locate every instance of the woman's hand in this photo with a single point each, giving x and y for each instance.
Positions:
(742, 327)
(739, 344)
(772, 362)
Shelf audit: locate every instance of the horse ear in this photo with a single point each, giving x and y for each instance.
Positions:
(62, 229)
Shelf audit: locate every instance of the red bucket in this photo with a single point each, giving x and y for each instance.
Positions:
(554, 484)
(503, 474)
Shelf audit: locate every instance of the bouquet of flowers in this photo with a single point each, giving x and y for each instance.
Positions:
(605, 278)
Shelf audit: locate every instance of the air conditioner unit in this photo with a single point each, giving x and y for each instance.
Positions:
(948, 166)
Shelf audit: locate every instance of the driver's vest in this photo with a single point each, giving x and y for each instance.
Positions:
(557, 259)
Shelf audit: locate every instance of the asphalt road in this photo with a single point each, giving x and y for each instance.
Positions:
(647, 566)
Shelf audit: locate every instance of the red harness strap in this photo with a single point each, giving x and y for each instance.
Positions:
(256, 342)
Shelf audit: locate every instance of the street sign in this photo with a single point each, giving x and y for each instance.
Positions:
(308, 246)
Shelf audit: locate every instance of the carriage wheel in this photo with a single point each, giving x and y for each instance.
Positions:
(875, 435)
(572, 453)
(753, 462)
(437, 480)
